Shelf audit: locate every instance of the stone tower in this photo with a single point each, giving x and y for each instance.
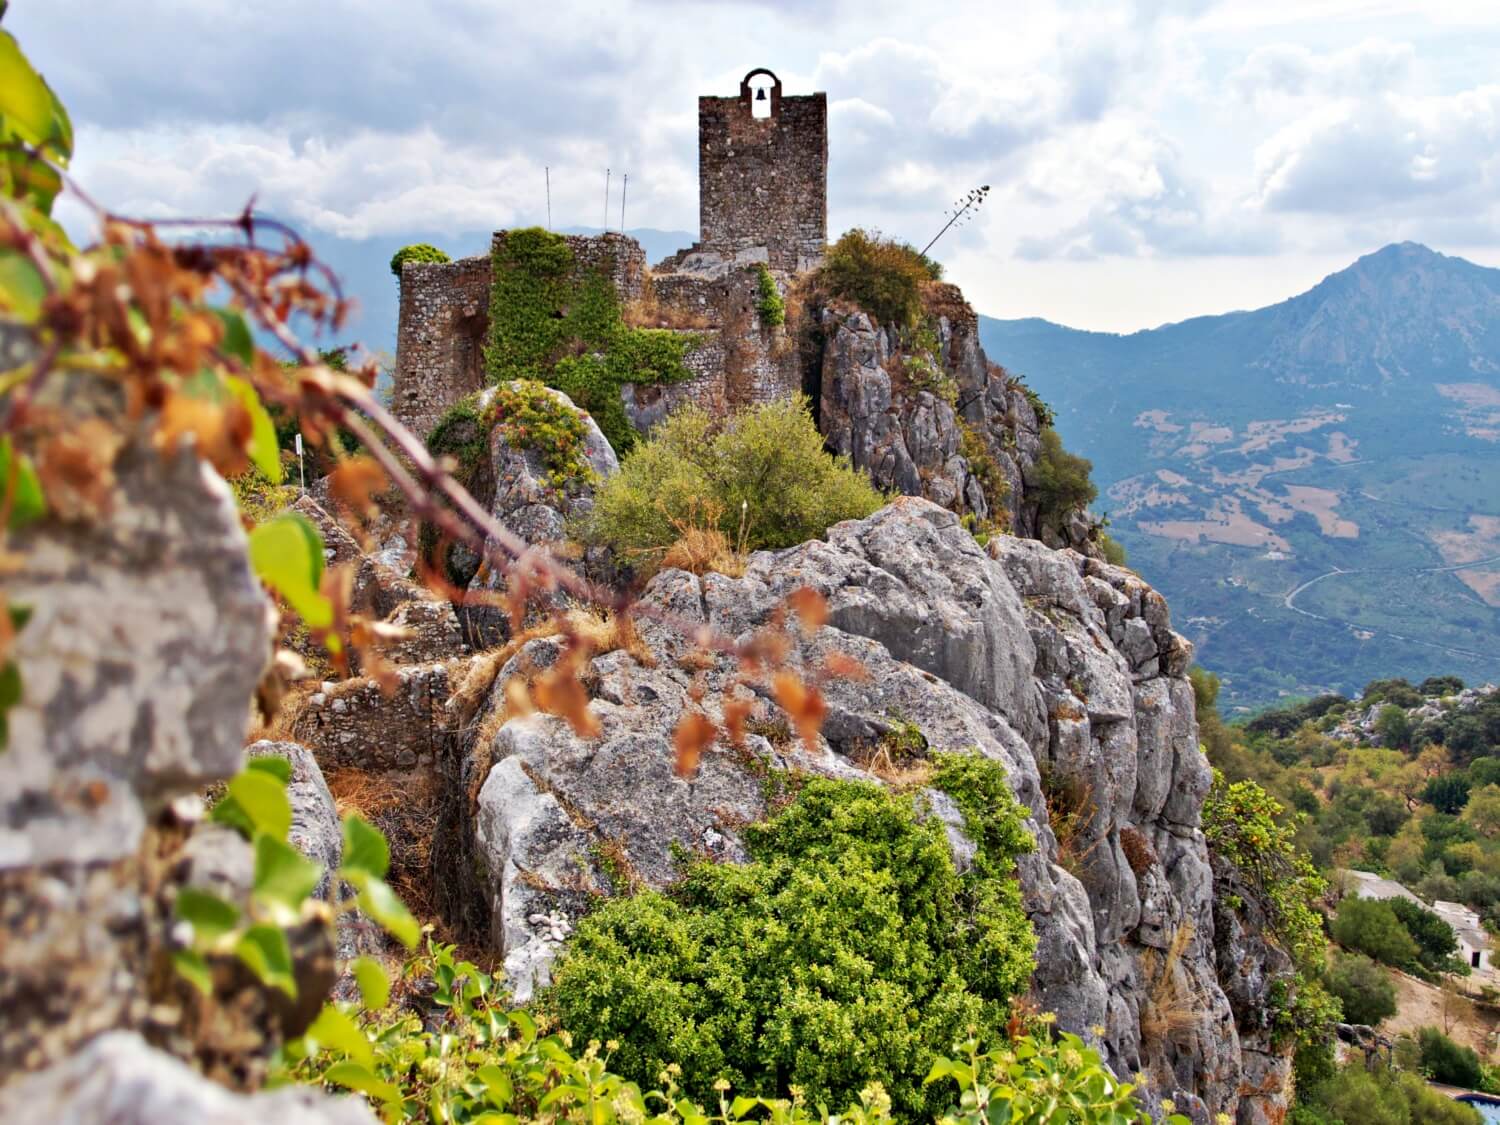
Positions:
(763, 180)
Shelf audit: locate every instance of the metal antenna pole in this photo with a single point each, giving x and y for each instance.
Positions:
(548, 171)
(624, 187)
(606, 201)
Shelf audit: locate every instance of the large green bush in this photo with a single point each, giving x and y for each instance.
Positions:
(764, 468)
(880, 275)
(849, 951)
(1365, 993)
(552, 322)
(1354, 1096)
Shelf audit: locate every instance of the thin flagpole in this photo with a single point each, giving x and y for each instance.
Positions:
(623, 188)
(606, 201)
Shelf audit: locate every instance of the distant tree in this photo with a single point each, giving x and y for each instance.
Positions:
(1059, 482)
(1371, 927)
(1397, 691)
(1448, 794)
(1366, 993)
(1393, 728)
(1440, 685)
(1445, 1061)
(1482, 812)
(1484, 771)
(1436, 941)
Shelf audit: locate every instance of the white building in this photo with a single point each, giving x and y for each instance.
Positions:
(1366, 884)
(1473, 941)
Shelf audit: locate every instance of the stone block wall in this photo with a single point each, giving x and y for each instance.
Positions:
(742, 362)
(440, 338)
(445, 319)
(764, 181)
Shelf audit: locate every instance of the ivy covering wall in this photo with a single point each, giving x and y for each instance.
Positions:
(552, 322)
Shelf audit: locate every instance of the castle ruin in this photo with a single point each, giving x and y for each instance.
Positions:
(763, 201)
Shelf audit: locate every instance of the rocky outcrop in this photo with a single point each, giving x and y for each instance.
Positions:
(1062, 668)
(938, 421)
(528, 502)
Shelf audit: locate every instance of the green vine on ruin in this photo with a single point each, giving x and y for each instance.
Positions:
(549, 324)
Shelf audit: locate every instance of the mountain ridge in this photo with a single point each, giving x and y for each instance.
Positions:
(1274, 469)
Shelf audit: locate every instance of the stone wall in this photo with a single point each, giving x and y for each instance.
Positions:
(445, 320)
(440, 338)
(764, 181)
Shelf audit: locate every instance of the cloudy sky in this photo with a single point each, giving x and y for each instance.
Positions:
(1150, 159)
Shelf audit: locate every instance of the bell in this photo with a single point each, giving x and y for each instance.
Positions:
(760, 95)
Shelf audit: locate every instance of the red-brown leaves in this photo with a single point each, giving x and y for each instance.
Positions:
(736, 712)
(694, 733)
(76, 469)
(803, 704)
(559, 691)
(355, 483)
(811, 609)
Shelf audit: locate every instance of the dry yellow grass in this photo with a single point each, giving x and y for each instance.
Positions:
(1174, 1004)
(699, 550)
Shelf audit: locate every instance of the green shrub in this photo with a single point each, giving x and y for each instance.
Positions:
(1354, 1096)
(1448, 1062)
(555, 324)
(882, 276)
(765, 467)
(1059, 482)
(768, 300)
(1436, 942)
(416, 252)
(1243, 824)
(848, 951)
(1372, 927)
(1366, 993)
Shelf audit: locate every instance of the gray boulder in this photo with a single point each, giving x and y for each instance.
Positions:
(117, 1078)
(1034, 658)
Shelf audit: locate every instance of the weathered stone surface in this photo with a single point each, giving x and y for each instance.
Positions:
(528, 504)
(1006, 653)
(119, 1079)
(315, 831)
(147, 637)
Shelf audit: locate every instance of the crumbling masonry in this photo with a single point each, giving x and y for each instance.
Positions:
(763, 201)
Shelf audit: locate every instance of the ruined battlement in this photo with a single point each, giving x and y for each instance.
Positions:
(763, 180)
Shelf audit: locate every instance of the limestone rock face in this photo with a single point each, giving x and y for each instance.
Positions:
(118, 1078)
(147, 637)
(315, 831)
(1062, 668)
(528, 503)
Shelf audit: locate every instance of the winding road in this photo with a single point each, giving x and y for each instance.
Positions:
(1290, 600)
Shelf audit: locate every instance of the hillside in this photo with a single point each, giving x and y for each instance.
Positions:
(1313, 484)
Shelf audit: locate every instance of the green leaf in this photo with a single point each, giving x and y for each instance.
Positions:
(273, 764)
(365, 847)
(21, 286)
(352, 1076)
(284, 878)
(525, 1025)
(237, 340)
(27, 108)
(265, 953)
(19, 480)
(256, 802)
(191, 966)
(497, 1085)
(336, 1031)
(264, 450)
(210, 915)
(287, 553)
(10, 685)
(19, 615)
(374, 985)
(379, 902)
